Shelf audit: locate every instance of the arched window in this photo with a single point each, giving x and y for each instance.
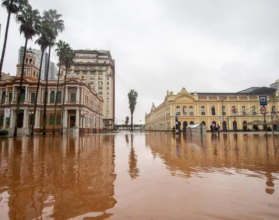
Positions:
(191, 110)
(203, 122)
(3, 96)
(178, 110)
(202, 110)
(185, 125)
(52, 97)
(184, 110)
(30, 61)
(59, 97)
(45, 96)
(213, 110)
(223, 110)
(254, 110)
(191, 122)
(243, 110)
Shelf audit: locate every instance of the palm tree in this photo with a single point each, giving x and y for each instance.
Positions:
(127, 121)
(69, 60)
(29, 20)
(13, 7)
(132, 95)
(61, 50)
(56, 25)
(44, 41)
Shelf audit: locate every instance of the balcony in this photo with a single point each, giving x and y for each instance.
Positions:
(191, 113)
(203, 113)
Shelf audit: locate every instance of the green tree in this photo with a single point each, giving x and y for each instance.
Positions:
(29, 21)
(127, 121)
(61, 52)
(132, 96)
(56, 25)
(69, 59)
(45, 39)
(13, 7)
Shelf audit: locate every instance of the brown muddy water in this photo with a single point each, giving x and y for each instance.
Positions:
(140, 176)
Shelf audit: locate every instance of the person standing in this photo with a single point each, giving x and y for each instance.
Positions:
(218, 128)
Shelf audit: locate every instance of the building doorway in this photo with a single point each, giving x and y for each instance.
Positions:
(72, 121)
(234, 126)
(224, 126)
(20, 120)
(185, 125)
(245, 126)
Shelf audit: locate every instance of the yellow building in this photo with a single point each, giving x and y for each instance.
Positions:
(206, 108)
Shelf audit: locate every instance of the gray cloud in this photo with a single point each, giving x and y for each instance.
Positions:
(160, 45)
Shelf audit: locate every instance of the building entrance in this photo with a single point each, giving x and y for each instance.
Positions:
(20, 120)
(72, 121)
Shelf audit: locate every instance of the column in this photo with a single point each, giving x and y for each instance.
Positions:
(26, 94)
(37, 119)
(78, 92)
(48, 96)
(25, 119)
(66, 95)
(4, 122)
(7, 95)
(13, 95)
(77, 118)
(65, 118)
(12, 119)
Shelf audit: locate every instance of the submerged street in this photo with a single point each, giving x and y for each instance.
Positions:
(140, 176)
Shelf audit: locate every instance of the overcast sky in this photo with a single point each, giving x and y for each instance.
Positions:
(160, 45)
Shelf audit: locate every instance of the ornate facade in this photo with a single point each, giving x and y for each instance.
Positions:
(83, 107)
(213, 108)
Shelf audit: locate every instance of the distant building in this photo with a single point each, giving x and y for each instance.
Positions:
(52, 75)
(98, 68)
(212, 108)
(83, 107)
(275, 85)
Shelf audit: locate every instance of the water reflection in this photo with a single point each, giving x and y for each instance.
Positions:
(64, 177)
(133, 170)
(226, 153)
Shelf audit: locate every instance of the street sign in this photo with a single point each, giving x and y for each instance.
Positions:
(7, 112)
(263, 100)
(234, 110)
(263, 110)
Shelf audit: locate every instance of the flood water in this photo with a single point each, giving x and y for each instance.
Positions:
(140, 176)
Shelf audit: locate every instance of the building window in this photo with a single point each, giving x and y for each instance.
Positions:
(10, 97)
(91, 83)
(224, 110)
(22, 96)
(58, 120)
(59, 97)
(254, 110)
(73, 97)
(92, 73)
(51, 120)
(213, 110)
(3, 96)
(100, 87)
(203, 122)
(177, 110)
(33, 97)
(243, 110)
(84, 73)
(31, 120)
(52, 95)
(191, 122)
(191, 110)
(202, 110)
(273, 110)
(1, 120)
(45, 96)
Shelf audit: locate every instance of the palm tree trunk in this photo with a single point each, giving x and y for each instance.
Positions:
(20, 87)
(46, 94)
(131, 122)
(37, 91)
(64, 92)
(56, 97)
(5, 42)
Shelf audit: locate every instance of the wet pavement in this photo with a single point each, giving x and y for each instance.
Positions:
(140, 176)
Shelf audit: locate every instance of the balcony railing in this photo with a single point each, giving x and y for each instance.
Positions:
(203, 113)
(191, 113)
(184, 113)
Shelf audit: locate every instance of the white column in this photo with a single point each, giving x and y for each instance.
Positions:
(65, 118)
(37, 119)
(4, 122)
(26, 94)
(13, 96)
(77, 118)
(25, 119)
(7, 95)
(66, 95)
(12, 119)
(78, 94)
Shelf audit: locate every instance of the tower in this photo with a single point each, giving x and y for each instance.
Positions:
(30, 68)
